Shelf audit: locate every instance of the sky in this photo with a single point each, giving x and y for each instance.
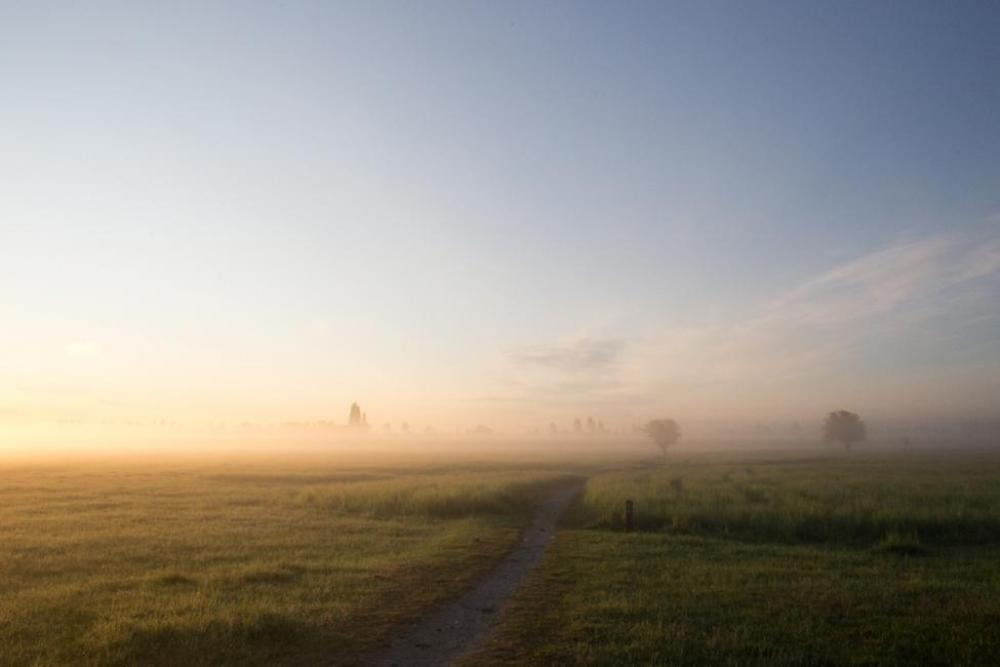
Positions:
(507, 213)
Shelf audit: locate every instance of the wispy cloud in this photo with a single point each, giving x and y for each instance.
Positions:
(811, 335)
(834, 323)
(881, 280)
(984, 261)
(573, 373)
(571, 356)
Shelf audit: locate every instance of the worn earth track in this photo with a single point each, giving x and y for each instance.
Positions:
(460, 626)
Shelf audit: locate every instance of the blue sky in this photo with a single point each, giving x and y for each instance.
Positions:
(499, 212)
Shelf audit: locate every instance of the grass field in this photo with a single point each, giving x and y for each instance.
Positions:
(740, 558)
(765, 559)
(278, 563)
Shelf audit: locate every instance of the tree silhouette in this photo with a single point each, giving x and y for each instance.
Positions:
(664, 433)
(844, 427)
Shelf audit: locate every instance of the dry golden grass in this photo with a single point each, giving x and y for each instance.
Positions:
(241, 563)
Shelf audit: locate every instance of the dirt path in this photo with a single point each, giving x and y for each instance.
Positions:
(460, 626)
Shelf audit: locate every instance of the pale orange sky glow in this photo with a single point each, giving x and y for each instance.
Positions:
(481, 219)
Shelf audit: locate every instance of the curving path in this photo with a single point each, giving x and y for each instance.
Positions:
(460, 626)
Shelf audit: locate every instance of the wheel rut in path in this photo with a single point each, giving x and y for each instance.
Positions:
(460, 626)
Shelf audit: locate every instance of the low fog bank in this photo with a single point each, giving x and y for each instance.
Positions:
(166, 440)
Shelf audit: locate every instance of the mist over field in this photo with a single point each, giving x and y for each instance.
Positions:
(491, 216)
(488, 333)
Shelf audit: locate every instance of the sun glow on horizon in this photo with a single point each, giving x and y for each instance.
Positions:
(207, 222)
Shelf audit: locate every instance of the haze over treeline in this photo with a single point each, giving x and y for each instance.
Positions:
(241, 219)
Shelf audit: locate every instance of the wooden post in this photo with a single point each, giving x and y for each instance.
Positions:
(629, 516)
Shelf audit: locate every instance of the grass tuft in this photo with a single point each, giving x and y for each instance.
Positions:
(173, 579)
(901, 544)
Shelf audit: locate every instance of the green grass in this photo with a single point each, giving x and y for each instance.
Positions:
(242, 564)
(856, 501)
(771, 560)
(741, 559)
(442, 496)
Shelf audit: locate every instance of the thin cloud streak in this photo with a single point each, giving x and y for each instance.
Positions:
(572, 356)
(819, 331)
(881, 280)
(810, 336)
